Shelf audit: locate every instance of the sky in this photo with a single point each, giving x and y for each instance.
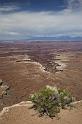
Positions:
(40, 19)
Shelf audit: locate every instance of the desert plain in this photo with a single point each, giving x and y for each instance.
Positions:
(26, 67)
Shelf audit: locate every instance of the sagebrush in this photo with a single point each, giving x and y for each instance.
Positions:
(50, 100)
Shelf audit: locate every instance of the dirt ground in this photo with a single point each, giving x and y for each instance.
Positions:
(22, 68)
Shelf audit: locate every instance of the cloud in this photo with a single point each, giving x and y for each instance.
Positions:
(75, 5)
(26, 24)
(8, 9)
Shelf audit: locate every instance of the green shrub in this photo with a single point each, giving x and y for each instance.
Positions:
(50, 100)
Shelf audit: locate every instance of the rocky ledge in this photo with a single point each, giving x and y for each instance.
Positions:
(23, 113)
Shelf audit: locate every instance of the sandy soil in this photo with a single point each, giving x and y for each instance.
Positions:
(22, 114)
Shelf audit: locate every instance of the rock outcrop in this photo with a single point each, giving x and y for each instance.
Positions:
(3, 88)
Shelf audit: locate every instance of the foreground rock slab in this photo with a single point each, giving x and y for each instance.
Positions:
(22, 114)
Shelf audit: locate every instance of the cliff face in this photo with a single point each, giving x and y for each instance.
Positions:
(23, 114)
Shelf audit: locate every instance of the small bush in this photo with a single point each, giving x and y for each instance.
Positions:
(50, 100)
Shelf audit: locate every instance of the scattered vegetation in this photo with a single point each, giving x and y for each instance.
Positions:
(49, 100)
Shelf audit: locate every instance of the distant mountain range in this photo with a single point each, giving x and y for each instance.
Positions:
(60, 38)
